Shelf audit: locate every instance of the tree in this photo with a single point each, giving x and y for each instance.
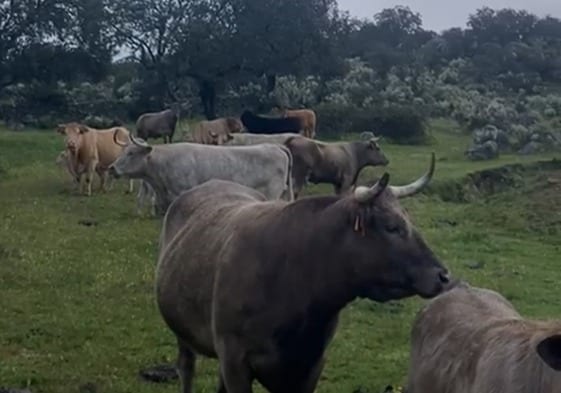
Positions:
(150, 30)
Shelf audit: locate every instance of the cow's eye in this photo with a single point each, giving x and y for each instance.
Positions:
(392, 228)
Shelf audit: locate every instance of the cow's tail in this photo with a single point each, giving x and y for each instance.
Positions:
(289, 190)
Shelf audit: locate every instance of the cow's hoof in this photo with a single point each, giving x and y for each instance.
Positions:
(160, 373)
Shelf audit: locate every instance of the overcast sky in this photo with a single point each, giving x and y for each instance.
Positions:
(443, 14)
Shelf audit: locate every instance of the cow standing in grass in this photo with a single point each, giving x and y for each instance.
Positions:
(259, 284)
(336, 163)
(173, 168)
(472, 340)
(269, 125)
(307, 118)
(91, 150)
(157, 125)
(216, 132)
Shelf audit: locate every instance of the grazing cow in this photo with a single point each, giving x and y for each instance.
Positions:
(90, 150)
(259, 284)
(216, 132)
(64, 160)
(174, 168)
(307, 119)
(157, 125)
(269, 125)
(254, 139)
(472, 340)
(146, 192)
(337, 163)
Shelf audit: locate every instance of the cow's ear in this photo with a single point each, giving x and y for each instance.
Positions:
(60, 128)
(549, 350)
(83, 129)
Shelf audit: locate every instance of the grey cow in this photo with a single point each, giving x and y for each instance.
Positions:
(173, 168)
(259, 284)
(157, 125)
(337, 163)
(247, 138)
(472, 340)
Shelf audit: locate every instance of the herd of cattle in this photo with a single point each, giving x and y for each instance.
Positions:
(256, 277)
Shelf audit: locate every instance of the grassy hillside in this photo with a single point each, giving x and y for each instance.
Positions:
(77, 310)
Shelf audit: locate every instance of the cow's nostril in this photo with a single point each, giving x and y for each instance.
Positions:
(444, 277)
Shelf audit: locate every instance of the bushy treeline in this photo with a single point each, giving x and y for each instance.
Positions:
(217, 57)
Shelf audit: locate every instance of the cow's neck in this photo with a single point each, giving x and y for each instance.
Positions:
(357, 160)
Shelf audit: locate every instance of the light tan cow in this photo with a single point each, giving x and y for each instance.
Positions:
(307, 119)
(64, 160)
(472, 340)
(91, 150)
(216, 132)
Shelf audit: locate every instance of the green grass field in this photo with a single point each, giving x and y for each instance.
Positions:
(77, 309)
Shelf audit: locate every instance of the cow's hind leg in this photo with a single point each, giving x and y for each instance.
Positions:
(237, 377)
(186, 367)
(102, 179)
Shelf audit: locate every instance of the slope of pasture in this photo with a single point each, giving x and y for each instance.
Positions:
(77, 310)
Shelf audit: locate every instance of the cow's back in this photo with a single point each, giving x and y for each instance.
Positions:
(471, 340)
(182, 166)
(107, 149)
(245, 139)
(156, 124)
(197, 227)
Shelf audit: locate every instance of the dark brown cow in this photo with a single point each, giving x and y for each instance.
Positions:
(337, 163)
(157, 125)
(260, 284)
(472, 340)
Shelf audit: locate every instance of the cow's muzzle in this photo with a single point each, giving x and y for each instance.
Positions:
(113, 172)
(438, 281)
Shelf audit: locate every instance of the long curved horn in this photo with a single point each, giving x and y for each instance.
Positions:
(138, 142)
(117, 141)
(366, 194)
(417, 185)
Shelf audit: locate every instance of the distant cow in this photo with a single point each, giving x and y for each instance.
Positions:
(307, 119)
(146, 195)
(337, 163)
(157, 125)
(260, 284)
(216, 132)
(247, 138)
(64, 160)
(472, 340)
(269, 125)
(92, 150)
(174, 168)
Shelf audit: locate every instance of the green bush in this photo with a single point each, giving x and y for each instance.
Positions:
(400, 124)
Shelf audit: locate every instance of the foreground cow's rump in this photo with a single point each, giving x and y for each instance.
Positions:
(173, 168)
(216, 132)
(91, 150)
(157, 125)
(259, 284)
(307, 118)
(269, 125)
(472, 340)
(337, 163)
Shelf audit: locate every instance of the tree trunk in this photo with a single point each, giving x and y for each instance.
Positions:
(271, 82)
(207, 93)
